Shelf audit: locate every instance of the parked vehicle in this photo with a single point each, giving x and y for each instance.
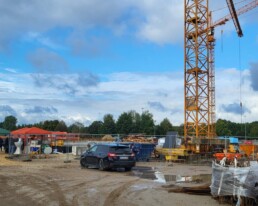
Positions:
(108, 156)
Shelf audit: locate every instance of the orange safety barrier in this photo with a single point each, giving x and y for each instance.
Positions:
(230, 156)
(248, 149)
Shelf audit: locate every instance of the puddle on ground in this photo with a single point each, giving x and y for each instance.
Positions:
(144, 172)
(151, 174)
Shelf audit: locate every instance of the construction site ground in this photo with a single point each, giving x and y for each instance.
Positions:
(58, 179)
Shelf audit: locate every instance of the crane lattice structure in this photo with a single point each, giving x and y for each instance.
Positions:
(196, 71)
(199, 72)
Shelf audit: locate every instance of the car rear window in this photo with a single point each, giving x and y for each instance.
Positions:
(119, 149)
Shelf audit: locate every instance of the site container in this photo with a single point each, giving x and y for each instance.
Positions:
(143, 151)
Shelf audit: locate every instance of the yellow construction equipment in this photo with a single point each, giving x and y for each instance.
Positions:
(57, 143)
(173, 153)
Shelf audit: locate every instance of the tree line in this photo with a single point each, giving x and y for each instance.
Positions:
(127, 123)
(228, 128)
(132, 122)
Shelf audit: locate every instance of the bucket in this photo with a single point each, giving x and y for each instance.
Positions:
(34, 149)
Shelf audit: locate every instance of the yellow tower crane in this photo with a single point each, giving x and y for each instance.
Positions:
(199, 73)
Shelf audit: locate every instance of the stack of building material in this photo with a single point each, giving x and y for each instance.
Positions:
(136, 138)
(237, 184)
(108, 138)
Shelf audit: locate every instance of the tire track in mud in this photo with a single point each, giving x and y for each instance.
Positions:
(50, 188)
(83, 192)
(37, 189)
(53, 190)
(116, 193)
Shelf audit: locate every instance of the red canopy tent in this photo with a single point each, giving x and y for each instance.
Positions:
(33, 131)
(29, 134)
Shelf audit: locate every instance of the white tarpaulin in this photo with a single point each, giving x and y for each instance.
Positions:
(238, 182)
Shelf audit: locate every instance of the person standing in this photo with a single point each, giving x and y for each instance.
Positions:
(6, 145)
(135, 150)
(1, 143)
(13, 147)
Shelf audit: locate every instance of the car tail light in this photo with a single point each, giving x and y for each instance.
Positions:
(111, 154)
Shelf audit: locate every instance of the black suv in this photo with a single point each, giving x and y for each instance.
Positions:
(108, 156)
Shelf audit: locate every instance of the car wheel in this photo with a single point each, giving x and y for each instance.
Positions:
(83, 163)
(101, 165)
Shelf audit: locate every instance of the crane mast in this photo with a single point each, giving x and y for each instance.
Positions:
(212, 99)
(199, 72)
(196, 70)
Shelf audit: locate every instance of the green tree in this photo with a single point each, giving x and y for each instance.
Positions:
(61, 127)
(10, 123)
(95, 127)
(180, 130)
(50, 125)
(39, 125)
(247, 128)
(254, 129)
(124, 123)
(109, 125)
(136, 122)
(223, 128)
(76, 127)
(239, 129)
(164, 127)
(147, 123)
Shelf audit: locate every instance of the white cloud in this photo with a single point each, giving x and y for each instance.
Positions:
(164, 21)
(81, 97)
(43, 40)
(122, 92)
(78, 118)
(154, 20)
(12, 70)
(158, 21)
(229, 91)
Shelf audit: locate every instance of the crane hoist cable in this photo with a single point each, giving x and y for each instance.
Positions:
(221, 34)
(240, 77)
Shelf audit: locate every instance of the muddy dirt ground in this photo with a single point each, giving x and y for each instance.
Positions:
(50, 181)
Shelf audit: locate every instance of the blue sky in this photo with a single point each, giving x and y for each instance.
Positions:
(79, 60)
